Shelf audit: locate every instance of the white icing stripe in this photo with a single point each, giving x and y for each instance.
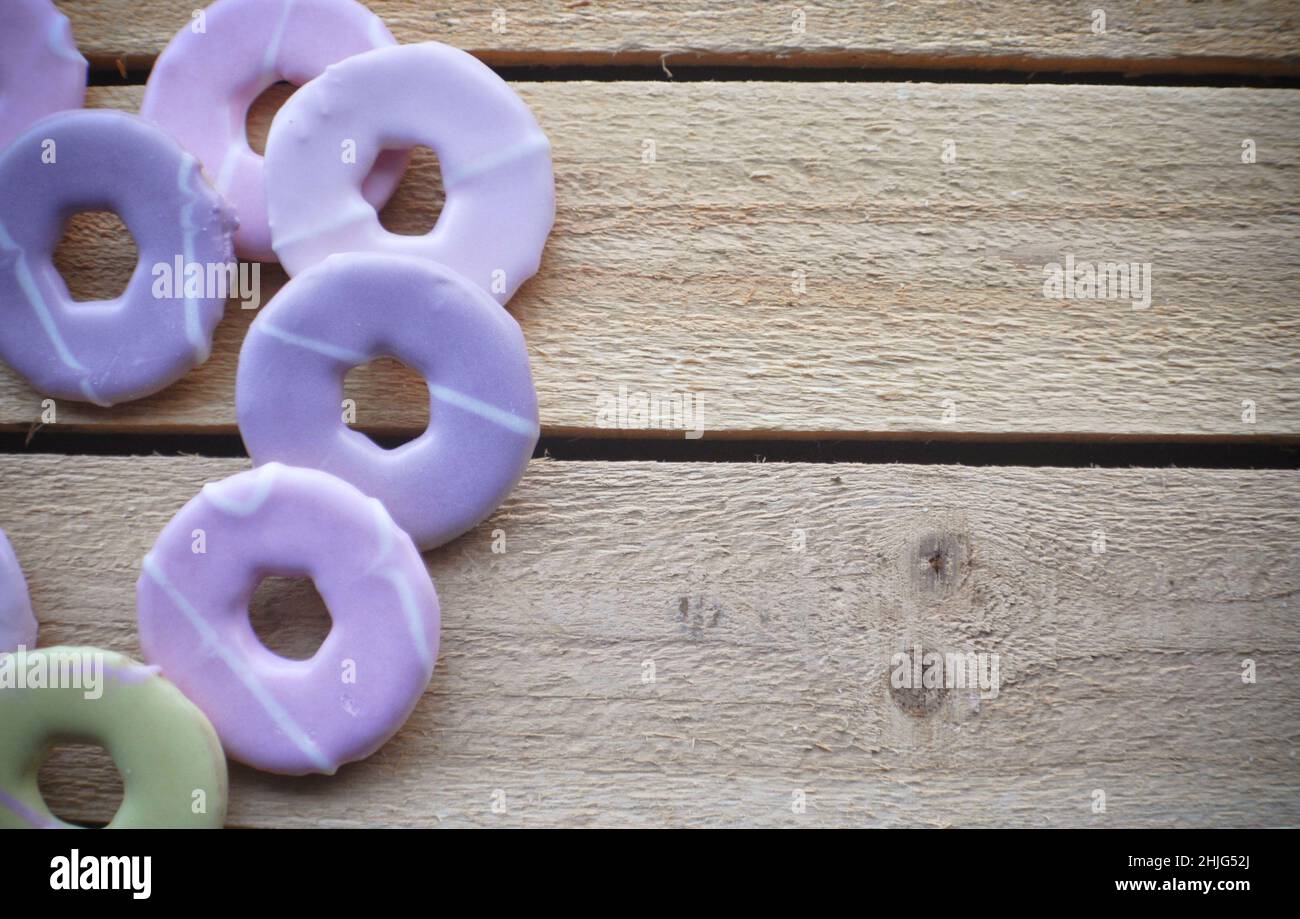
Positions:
(273, 49)
(355, 215)
(334, 352)
(226, 174)
(412, 613)
(488, 163)
(508, 420)
(379, 35)
(190, 166)
(28, 283)
(263, 479)
(91, 396)
(414, 622)
(237, 666)
(384, 524)
(406, 597)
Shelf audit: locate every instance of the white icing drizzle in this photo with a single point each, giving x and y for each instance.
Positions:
(190, 168)
(263, 479)
(269, 703)
(334, 352)
(33, 293)
(499, 416)
(484, 164)
(226, 174)
(411, 610)
(273, 49)
(348, 217)
(405, 595)
(384, 524)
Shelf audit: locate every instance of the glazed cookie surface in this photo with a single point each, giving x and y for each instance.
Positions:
(203, 83)
(494, 159)
(41, 71)
(291, 716)
(173, 770)
(353, 308)
(107, 351)
(17, 622)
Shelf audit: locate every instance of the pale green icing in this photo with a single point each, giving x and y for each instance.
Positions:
(172, 765)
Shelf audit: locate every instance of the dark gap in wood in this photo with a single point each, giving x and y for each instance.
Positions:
(921, 449)
(563, 67)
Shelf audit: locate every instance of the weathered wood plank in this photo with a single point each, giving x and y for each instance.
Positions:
(921, 293)
(1226, 36)
(1120, 670)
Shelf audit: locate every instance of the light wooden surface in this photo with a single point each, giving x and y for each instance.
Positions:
(922, 292)
(1120, 671)
(923, 280)
(1139, 35)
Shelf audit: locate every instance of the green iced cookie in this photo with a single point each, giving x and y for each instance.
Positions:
(173, 769)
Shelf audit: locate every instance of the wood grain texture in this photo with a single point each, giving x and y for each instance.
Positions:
(922, 280)
(1229, 36)
(1120, 671)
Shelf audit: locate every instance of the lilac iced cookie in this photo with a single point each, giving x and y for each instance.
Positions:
(495, 162)
(206, 78)
(17, 622)
(281, 715)
(41, 71)
(109, 351)
(353, 308)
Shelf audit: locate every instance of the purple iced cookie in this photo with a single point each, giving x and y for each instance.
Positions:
(109, 351)
(206, 78)
(41, 71)
(287, 716)
(495, 163)
(353, 308)
(17, 623)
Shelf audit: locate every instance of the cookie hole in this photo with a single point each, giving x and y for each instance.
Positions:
(257, 124)
(81, 784)
(387, 401)
(289, 617)
(96, 256)
(416, 205)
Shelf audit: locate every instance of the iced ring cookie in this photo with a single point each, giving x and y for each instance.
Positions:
(17, 623)
(272, 713)
(173, 770)
(41, 71)
(353, 308)
(495, 163)
(206, 78)
(108, 351)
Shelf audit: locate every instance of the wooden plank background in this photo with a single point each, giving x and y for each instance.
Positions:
(1121, 670)
(924, 281)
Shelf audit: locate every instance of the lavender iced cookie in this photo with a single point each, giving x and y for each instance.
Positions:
(347, 311)
(209, 74)
(108, 351)
(272, 713)
(17, 622)
(41, 71)
(495, 162)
